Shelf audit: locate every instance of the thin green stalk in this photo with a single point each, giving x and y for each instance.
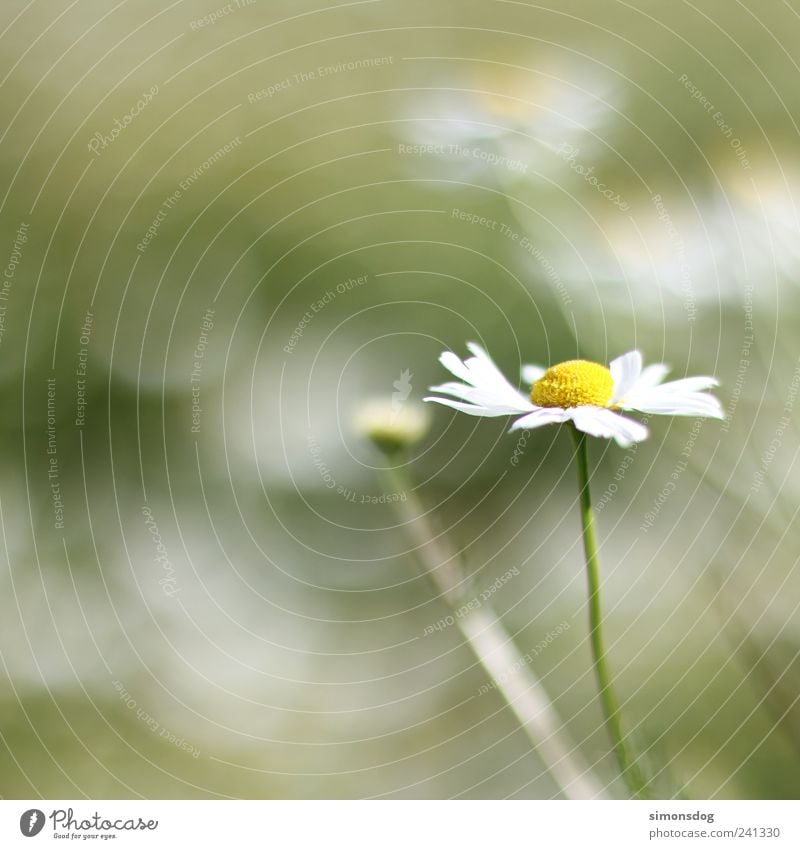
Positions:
(637, 783)
(495, 649)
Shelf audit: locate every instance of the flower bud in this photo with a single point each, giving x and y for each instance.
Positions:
(392, 426)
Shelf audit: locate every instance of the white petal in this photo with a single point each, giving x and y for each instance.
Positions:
(625, 370)
(541, 416)
(598, 421)
(482, 366)
(651, 376)
(469, 409)
(486, 375)
(452, 363)
(689, 384)
(530, 373)
(484, 398)
(479, 351)
(672, 403)
(462, 391)
(484, 384)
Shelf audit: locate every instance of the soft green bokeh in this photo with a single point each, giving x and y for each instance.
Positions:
(281, 634)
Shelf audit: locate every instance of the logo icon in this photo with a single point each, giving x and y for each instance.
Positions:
(31, 822)
(402, 391)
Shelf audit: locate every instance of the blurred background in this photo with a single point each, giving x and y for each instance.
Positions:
(227, 226)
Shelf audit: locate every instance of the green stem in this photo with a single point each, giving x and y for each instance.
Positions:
(637, 784)
(495, 649)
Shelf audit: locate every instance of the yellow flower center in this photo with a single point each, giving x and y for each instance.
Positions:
(574, 383)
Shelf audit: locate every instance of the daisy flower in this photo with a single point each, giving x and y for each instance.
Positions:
(589, 395)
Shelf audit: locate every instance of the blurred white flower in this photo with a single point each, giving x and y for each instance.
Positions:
(760, 214)
(390, 426)
(512, 119)
(587, 394)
